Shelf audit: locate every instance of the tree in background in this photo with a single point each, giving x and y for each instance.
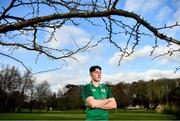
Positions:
(29, 27)
(25, 89)
(43, 95)
(10, 81)
(121, 94)
(14, 88)
(71, 99)
(19, 91)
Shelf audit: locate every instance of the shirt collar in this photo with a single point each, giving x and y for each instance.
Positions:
(95, 86)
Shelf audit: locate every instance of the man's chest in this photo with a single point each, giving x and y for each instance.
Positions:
(99, 93)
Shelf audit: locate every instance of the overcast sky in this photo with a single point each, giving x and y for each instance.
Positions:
(138, 66)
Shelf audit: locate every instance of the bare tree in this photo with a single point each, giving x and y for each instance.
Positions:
(25, 89)
(43, 94)
(33, 21)
(15, 89)
(10, 81)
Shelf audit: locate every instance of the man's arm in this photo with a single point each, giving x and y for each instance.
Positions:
(110, 105)
(103, 104)
(94, 103)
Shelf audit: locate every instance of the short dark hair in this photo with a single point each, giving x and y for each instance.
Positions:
(93, 68)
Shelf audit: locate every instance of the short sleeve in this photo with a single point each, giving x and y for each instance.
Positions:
(86, 92)
(109, 94)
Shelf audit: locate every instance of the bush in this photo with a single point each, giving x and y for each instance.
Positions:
(169, 111)
(177, 113)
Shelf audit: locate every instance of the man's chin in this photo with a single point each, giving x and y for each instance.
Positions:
(97, 80)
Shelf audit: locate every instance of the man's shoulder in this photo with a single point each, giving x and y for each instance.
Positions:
(103, 85)
(86, 86)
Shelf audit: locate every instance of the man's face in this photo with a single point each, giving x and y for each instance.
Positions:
(96, 75)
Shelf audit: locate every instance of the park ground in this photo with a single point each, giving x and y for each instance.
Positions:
(80, 115)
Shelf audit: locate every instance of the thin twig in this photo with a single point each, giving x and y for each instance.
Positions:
(16, 60)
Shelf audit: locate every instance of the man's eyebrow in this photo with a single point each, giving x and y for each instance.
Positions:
(98, 71)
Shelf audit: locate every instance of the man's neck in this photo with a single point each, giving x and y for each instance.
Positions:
(96, 84)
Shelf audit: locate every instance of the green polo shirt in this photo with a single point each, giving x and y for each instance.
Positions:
(100, 92)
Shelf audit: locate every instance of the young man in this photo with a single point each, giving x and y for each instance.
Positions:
(97, 97)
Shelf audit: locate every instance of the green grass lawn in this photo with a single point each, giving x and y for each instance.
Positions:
(79, 115)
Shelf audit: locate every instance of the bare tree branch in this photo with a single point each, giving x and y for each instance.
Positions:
(114, 4)
(169, 52)
(7, 9)
(170, 26)
(125, 50)
(41, 49)
(16, 60)
(177, 69)
(119, 12)
(49, 70)
(32, 23)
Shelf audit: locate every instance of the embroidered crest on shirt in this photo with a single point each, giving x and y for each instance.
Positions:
(93, 90)
(103, 90)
